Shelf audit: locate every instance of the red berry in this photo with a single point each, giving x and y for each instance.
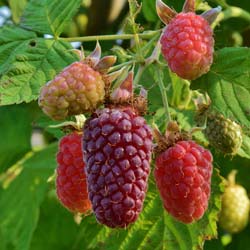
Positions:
(117, 146)
(187, 45)
(71, 186)
(77, 89)
(183, 177)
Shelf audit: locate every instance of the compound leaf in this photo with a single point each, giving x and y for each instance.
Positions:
(49, 17)
(27, 63)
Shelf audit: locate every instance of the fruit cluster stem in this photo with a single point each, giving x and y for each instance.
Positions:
(145, 35)
(138, 74)
(154, 57)
(163, 93)
(119, 66)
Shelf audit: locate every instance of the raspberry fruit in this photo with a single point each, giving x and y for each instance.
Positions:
(187, 41)
(117, 145)
(223, 133)
(71, 186)
(77, 89)
(183, 177)
(235, 207)
(187, 45)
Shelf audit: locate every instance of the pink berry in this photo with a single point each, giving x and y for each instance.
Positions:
(71, 186)
(77, 89)
(187, 45)
(183, 177)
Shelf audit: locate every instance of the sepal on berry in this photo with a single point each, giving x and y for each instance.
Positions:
(211, 15)
(70, 126)
(105, 63)
(79, 53)
(189, 6)
(124, 92)
(164, 12)
(95, 55)
(172, 135)
(123, 95)
(115, 74)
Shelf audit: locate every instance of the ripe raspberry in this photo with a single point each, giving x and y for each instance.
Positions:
(235, 209)
(223, 133)
(183, 177)
(77, 89)
(117, 145)
(71, 186)
(187, 45)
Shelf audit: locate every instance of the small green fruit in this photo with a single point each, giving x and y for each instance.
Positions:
(235, 207)
(223, 133)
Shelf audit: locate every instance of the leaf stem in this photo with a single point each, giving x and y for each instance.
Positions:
(163, 93)
(144, 35)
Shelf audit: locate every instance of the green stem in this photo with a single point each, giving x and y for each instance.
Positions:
(119, 66)
(231, 12)
(139, 74)
(145, 35)
(163, 93)
(149, 44)
(154, 57)
(138, 47)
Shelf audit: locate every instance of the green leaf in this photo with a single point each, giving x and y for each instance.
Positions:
(20, 200)
(17, 7)
(27, 63)
(15, 125)
(148, 80)
(12, 39)
(178, 91)
(213, 245)
(56, 228)
(240, 241)
(179, 94)
(43, 121)
(244, 151)
(155, 229)
(149, 10)
(49, 17)
(228, 83)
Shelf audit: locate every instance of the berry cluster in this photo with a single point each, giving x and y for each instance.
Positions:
(104, 166)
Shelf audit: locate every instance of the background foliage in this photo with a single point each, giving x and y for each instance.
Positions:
(34, 48)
